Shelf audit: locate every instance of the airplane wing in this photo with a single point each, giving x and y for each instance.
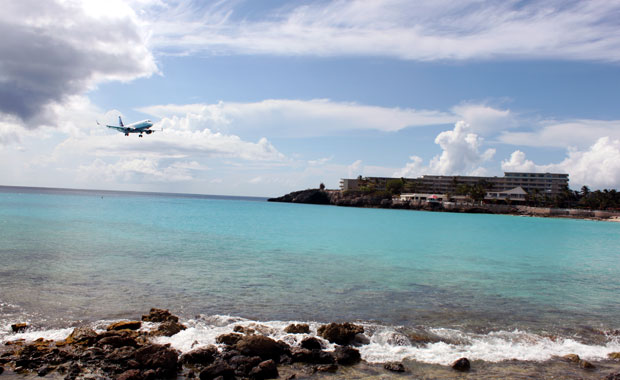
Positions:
(120, 129)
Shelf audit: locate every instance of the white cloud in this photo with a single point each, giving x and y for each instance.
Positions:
(53, 50)
(424, 30)
(598, 166)
(579, 133)
(298, 118)
(484, 119)
(460, 155)
(355, 169)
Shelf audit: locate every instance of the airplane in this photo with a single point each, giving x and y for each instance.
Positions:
(137, 127)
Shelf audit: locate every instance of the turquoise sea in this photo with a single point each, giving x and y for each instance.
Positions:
(492, 287)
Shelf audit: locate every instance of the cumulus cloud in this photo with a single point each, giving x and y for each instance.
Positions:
(460, 154)
(355, 169)
(53, 50)
(484, 119)
(597, 166)
(297, 118)
(424, 30)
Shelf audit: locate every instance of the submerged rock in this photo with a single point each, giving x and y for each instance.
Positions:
(294, 328)
(461, 364)
(347, 355)
(340, 333)
(394, 367)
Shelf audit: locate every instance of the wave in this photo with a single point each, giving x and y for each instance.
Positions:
(380, 343)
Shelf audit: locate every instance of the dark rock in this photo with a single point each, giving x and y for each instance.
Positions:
(613, 376)
(258, 345)
(303, 355)
(461, 364)
(340, 333)
(132, 374)
(168, 328)
(229, 339)
(585, 364)
(159, 315)
(311, 196)
(311, 343)
(244, 364)
(44, 370)
(122, 354)
(347, 355)
(1, 370)
(394, 367)
(202, 356)
(125, 325)
(160, 358)
(218, 369)
(326, 368)
(264, 370)
(81, 335)
(118, 341)
(297, 329)
(19, 327)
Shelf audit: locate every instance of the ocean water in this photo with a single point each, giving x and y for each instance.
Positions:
(490, 287)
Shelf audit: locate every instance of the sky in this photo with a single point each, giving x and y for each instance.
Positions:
(260, 98)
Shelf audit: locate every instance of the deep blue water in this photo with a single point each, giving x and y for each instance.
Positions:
(70, 255)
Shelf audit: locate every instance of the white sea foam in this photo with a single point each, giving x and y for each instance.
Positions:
(385, 343)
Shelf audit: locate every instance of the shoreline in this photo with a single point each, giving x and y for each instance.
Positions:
(259, 350)
(339, 198)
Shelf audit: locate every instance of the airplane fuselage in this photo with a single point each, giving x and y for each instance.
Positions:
(137, 127)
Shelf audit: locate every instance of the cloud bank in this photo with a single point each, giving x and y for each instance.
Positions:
(52, 50)
(424, 30)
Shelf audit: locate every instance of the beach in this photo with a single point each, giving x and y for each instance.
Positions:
(513, 295)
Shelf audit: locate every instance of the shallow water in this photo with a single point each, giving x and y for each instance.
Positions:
(493, 287)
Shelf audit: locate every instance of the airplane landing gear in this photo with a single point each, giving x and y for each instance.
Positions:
(126, 134)
(140, 135)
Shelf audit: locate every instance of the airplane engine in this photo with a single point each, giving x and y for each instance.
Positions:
(148, 132)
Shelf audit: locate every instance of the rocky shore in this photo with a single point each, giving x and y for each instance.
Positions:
(384, 200)
(126, 350)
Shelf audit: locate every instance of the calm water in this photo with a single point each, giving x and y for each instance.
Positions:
(70, 256)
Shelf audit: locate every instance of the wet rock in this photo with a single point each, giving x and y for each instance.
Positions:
(82, 335)
(160, 358)
(311, 343)
(121, 355)
(124, 325)
(613, 376)
(168, 328)
(132, 374)
(394, 367)
(614, 355)
(201, 356)
(73, 371)
(19, 327)
(347, 355)
(585, 364)
(303, 355)
(229, 339)
(244, 364)
(297, 329)
(326, 368)
(340, 333)
(118, 341)
(461, 364)
(243, 330)
(218, 369)
(258, 345)
(159, 315)
(574, 358)
(1, 370)
(265, 370)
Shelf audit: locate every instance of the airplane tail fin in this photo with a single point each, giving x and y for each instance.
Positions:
(120, 121)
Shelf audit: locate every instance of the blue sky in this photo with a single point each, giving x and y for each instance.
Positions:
(263, 98)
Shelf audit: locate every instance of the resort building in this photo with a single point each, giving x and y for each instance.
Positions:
(541, 183)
